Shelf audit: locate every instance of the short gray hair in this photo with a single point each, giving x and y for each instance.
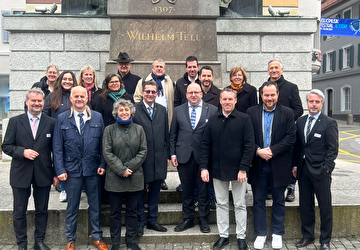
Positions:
(123, 102)
(35, 90)
(52, 65)
(275, 60)
(158, 60)
(316, 92)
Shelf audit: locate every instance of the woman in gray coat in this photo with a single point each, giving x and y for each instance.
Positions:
(124, 149)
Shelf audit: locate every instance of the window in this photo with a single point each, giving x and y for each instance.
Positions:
(345, 99)
(346, 57)
(329, 61)
(347, 14)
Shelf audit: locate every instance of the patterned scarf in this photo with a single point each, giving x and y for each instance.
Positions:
(238, 87)
(89, 88)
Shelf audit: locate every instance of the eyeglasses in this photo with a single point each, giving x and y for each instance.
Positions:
(114, 82)
(150, 91)
(194, 92)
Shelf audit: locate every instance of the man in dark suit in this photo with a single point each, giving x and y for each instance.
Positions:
(275, 133)
(314, 154)
(28, 140)
(153, 118)
(186, 132)
(211, 93)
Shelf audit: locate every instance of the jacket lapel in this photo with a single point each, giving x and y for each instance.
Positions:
(316, 125)
(26, 123)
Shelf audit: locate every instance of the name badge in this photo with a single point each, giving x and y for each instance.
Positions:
(48, 135)
(317, 135)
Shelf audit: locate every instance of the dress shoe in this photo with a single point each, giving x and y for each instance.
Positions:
(115, 247)
(139, 231)
(187, 223)
(304, 242)
(290, 196)
(100, 245)
(324, 247)
(221, 242)
(204, 227)
(133, 246)
(156, 226)
(164, 186)
(70, 246)
(179, 188)
(242, 244)
(41, 246)
(22, 248)
(212, 204)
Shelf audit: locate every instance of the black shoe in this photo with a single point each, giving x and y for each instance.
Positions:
(290, 196)
(41, 246)
(164, 186)
(221, 242)
(324, 247)
(156, 226)
(133, 246)
(304, 242)
(204, 227)
(212, 204)
(140, 231)
(242, 244)
(115, 247)
(179, 188)
(186, 224)
(22, 248)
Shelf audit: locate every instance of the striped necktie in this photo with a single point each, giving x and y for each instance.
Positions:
(82, 124)
(193, 117)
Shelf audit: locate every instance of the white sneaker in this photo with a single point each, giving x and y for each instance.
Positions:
(276, 241)
(259, 242)
(62, 196)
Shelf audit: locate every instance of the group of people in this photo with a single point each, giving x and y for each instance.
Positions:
(118, 141)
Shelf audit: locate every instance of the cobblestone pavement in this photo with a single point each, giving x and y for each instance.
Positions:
(337, 243)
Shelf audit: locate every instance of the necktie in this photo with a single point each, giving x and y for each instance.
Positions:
(82, 124)
(150, 112)
(308, 129)
(193, 117)
(33, 125)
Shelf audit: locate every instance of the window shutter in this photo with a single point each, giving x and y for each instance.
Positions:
(351, 56)
(334, 61)
(324, 62)
(4, 33)
(341, 58)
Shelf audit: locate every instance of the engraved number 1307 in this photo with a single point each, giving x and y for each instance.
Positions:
(163, 9)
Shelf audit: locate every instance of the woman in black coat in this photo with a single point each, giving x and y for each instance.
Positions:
(113, 89)
(88, 80)
(246, 94)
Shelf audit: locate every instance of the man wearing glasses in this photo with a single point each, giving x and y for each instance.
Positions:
(186, 131)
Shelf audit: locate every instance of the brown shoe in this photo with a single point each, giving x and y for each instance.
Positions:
(70, 246)
(100, 245)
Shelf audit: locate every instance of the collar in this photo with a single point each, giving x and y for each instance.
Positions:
(87, 109)
(30, 116)
(199, 105)
(315, 116)
(146, 105)
(269, 111)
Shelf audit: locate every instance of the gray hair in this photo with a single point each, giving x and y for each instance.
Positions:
(275, 60)
(316, 92)
(76, 87)
(35, 90)
(123, 102)
(52, 65)
(158, 60)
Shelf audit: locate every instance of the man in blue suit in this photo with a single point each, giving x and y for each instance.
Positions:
(79, 161)
(186, 132)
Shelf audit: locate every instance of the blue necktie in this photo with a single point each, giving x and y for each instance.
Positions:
(193, 117)
(82, 124)
(150, 112)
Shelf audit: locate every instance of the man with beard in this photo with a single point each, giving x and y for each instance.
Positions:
(28, 140)
(211, 93)
(78, 160)
(275, 133)
(124, 65)
(191, 75)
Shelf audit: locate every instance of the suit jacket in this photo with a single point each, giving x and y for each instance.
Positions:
(19, 137)
(157, 138)
(183, 139)
(321, 148)
(283, 134)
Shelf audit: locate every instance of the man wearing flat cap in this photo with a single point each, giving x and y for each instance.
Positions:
(124, 65)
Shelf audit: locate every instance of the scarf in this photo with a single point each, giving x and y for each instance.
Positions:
(237, 88)
(116, 95)
(89, 88)
(122, 122)
(158, 80)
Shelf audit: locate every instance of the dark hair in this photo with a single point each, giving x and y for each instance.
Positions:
(105, 85)
(151, 83)
(191, 59)
(206, 68)
(57, 94)
(267, 84)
